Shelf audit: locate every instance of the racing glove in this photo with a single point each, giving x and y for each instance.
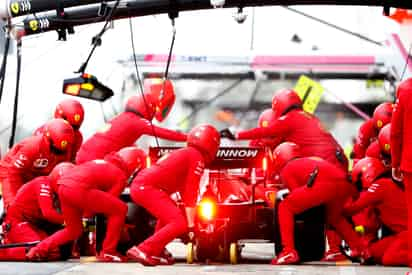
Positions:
(226, 133)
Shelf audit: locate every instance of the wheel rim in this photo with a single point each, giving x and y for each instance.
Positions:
(233, 253)
(189, 253)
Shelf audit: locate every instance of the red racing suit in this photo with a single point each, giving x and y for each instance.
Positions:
(374, 151)
(313, 182)
(72, 151)
(93, 187)
(367, 134)
(389, 200)
(27, 159)
(122, 131)
(401, 148)
(306, 131)
(32, 206)
(180, 171)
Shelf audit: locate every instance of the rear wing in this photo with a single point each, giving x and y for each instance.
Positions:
(226, 157)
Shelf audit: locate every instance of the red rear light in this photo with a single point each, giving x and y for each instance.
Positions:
(207, 209)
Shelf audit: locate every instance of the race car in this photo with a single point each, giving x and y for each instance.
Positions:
(235, 203)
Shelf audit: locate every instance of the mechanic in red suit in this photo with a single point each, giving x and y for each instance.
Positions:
(32, 207)
(381, 148)
(72, 111)
(388, 198)
(90, 188)
(369, 130)
(34, 156)
(124, 129)
(401, 148)
(293, 124)
(297, 126)
(180, 171)
(312, 182)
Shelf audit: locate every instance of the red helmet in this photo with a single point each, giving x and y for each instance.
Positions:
(367, 170)
(266, 118)
(163, 94)
(284, 100)
(60, 133)
(283, 153)
(405, 85)
(57, 172)
(206, 138)
(382, 114)
(367, 133)
(144, 107)
(70, 110)
(385, 139)
(133, 157)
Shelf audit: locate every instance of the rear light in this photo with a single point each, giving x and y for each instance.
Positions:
(207, 210)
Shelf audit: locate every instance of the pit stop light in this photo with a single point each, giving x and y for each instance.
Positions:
(86, 86)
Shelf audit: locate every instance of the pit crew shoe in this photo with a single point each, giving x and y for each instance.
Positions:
(287, 256)
(363, 256)
(167, 256)
(334, 256)
(110, 258)
(137, 255)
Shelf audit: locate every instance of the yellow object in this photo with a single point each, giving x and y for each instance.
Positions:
(310, 92)
(34, 25)
(233, 253)
(360, 229)
(190, 253)
(15, 8)
(87, 86)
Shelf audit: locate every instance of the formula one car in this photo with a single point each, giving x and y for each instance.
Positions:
(235, 203)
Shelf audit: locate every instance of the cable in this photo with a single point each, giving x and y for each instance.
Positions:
(16, 96)
(334, 26)
(139, 80)
(406, 63)
(169, 57)
(97, 39)
(4, 62)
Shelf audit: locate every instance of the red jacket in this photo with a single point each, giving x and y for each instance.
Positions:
(108, 175)
(28, 159)
(72, 151)
(297, 173)
(401, 132)
(34, 203)
(306, 131)
(180, 171)
(120, 132)
(390, 201)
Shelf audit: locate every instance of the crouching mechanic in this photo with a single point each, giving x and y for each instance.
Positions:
(34, 156)
(28, 215)
(93, 188)
(180, 171)
(127, 127)
(388, 198)
(312, 182)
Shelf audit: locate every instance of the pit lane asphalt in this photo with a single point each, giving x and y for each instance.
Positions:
(257, 258)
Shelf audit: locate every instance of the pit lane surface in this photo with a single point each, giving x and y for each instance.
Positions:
(257, 257)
